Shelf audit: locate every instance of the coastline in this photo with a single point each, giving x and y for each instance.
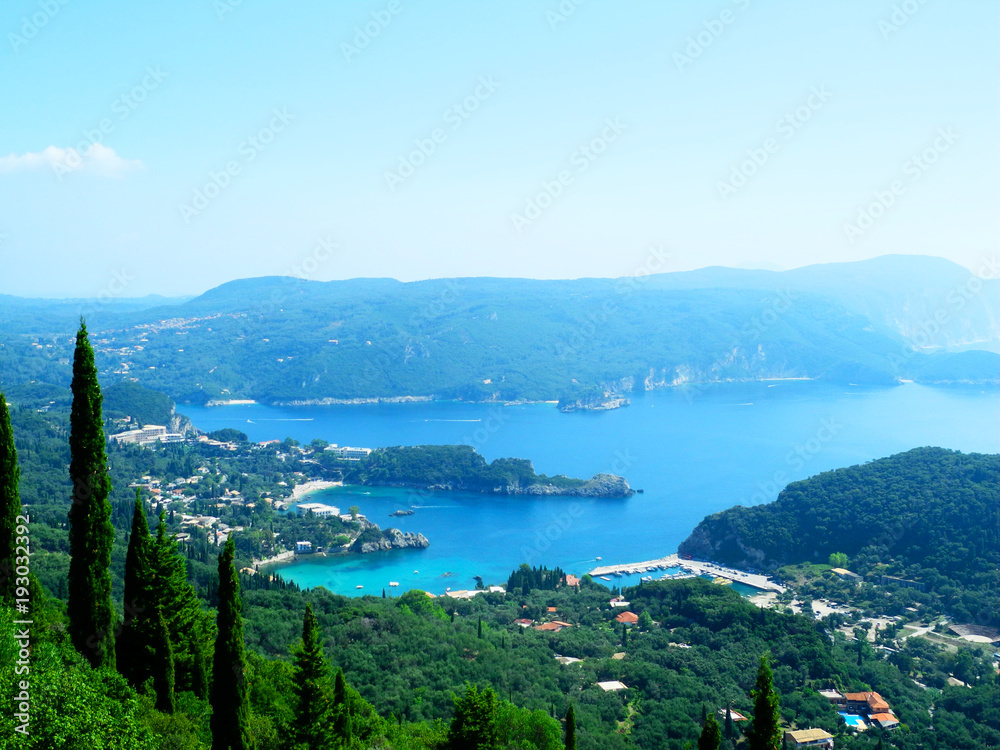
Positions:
(313, 485)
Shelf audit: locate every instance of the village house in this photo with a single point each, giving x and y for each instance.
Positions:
(808, 738)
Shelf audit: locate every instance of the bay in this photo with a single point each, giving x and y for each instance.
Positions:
(693, 451)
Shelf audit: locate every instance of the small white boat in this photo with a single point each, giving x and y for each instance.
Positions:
(416, 571)
(604, 578)
(600, 558)
(359, 587)
(393, 583)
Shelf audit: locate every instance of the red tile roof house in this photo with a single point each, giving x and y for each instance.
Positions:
(630, 618)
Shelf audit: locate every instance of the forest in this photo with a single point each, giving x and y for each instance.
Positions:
(484, 339)
(928, 515)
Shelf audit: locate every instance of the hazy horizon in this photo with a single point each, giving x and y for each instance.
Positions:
(182, 147)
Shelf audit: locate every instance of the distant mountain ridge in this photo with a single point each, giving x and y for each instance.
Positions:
(280, 339)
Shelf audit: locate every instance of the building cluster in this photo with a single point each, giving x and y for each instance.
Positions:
(151, 433)
(862, 710)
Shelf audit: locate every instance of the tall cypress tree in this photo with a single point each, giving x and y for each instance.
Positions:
(162, 662)
(187, 623)
(729, 722)
(570, 729)
(311, 722)
(10, 504)
(132, 641)
(230, 708)
(710, 734)
(765, 730)
(342, 725)
(91, 535)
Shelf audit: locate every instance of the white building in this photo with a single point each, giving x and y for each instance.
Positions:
(303, 548)
(151, 433)
(349, 453)
(318, 509)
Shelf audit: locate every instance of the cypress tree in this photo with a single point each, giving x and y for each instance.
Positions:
(10, 505)
(710, 734)
(624, 635)
(230, 708)
(311, 708)
(342, 710)
(765, 732)
(162, 663)
(729, 722)
(91, 535)
(132, 641)
(480, 630)
(570, 729)
(187, 623)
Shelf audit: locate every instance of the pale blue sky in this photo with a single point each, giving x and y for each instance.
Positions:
(221, 69)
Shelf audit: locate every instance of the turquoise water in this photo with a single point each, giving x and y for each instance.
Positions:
(693, 452)
(853, 720)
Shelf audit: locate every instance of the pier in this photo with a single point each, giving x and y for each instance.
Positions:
(693, 568)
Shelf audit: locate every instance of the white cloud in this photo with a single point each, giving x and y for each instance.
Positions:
(96, 159)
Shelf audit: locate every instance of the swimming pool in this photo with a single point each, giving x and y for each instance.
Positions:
(854, 721)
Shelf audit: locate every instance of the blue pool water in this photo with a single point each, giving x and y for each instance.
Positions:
(853, 720)
(693, 453)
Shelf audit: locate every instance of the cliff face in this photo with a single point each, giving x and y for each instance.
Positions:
(396, 539)
(716, 539)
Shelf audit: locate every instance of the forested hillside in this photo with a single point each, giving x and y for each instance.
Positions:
(930, 515)
(292, 340)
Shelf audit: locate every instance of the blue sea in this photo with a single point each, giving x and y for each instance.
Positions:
(693, 451)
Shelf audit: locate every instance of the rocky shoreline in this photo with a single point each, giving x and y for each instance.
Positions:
(600, 485)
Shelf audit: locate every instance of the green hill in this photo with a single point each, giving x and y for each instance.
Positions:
(285, 340)
(929, 515)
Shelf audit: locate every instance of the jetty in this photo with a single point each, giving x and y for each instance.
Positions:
(689, 569)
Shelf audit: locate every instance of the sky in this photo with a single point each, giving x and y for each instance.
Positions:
(166, 148)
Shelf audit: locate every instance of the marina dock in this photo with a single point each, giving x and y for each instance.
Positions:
(690, 568)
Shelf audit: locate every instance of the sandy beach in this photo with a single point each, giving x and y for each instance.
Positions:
(280, 557)
(301, 490)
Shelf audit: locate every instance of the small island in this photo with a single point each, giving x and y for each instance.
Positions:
(461, 468)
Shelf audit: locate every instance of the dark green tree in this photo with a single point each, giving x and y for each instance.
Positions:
(10, 505)
(479, 630)
(311, 723)
(91, 535)
(624, 635)
(133, 641)
(710, 734)
(230, 708)
(162, 662)
(474, 726)
(570, 729)
(729, 722)
(765, 731)
(187, 622)
(342, 726)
